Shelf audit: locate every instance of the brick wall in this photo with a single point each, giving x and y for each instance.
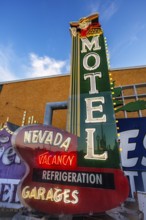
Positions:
(32, 95)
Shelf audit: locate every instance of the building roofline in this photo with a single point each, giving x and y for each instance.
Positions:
(34, 78)
(66, 74)
(127, 68)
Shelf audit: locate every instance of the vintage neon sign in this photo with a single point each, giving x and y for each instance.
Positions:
(47, 138)
(57, 159)
(52, 194)
(68, 168)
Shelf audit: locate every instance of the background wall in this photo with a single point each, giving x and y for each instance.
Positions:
(129, 76)
(31, 96)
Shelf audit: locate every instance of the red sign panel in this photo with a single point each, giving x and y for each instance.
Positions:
(54, 183)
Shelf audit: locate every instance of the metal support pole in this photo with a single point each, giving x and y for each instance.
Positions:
(49, 110)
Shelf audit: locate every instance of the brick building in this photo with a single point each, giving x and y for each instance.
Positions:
(24, 101)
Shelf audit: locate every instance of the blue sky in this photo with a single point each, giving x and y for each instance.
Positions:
(35, 40)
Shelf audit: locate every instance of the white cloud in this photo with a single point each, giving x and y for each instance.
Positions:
(46, 66)
(94, 7)
(14, 67)
(127, 43)
(106, 10)
(6, 56)
(109, 10)
(6, 75)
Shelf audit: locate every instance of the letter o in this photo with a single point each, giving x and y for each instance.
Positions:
(96, 64)
(92, 178)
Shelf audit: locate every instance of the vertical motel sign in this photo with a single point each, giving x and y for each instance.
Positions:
(76, 171)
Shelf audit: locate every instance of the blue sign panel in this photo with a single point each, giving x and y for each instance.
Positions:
(133, 151)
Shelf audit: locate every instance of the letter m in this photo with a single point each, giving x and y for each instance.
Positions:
(87, 44)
